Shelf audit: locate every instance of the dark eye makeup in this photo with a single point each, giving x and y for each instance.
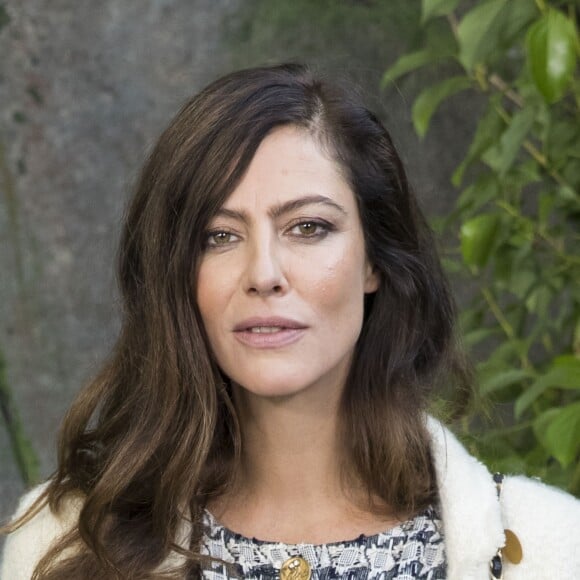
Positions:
(307, 229)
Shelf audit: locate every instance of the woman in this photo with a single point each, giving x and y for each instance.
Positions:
(286, 322)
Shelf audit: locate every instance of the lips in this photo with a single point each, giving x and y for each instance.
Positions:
(268, 324)
(266, 329)
(269, 332)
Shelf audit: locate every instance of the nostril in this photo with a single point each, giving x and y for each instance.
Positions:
(276, 289)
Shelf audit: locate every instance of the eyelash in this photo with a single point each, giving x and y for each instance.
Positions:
(323, 228)
(322, 225)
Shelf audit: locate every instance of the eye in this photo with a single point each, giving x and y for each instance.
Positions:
(308, 228)
(218, 238)
(311, 228)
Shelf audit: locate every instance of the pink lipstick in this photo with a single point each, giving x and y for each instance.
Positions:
(269, 332)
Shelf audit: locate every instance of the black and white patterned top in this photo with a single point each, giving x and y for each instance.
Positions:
(411, 550)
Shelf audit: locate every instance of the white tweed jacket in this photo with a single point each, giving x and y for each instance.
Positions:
(546, 521)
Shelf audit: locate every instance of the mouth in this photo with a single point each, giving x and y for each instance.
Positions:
(269, 333)
(267, 324)
(265, 329)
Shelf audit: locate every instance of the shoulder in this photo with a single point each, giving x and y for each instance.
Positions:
(546, 520)
(25, 546)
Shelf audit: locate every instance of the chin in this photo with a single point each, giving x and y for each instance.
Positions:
(271, 390)
(273, 387)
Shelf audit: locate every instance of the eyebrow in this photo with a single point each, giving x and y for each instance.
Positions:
(283, 208)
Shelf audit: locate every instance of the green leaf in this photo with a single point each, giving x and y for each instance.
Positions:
(474, 32)
(410, 62)
(576, 338)
(512, 138)
(503, 266)
(515, 21)
(543, 421)
(471, 318)
(431, 8)
(551, 54)
(564, 373)
(475, 196)
(559, 432)
(475, 336)
(487, 133)
(507, 352)
(498, 453)
(539, 300)
(567, 193)
(428, 101)
(499, 379)
(546, 202)
(569, 365)
(477, 237)
(522, 281)
(561, 139)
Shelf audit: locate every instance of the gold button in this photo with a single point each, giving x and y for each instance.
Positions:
(295, 568)
(512, 549)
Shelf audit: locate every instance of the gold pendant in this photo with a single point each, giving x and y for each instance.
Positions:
(295, 568)
(512, 549)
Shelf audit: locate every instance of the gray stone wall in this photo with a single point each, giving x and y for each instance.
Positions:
(84, 89)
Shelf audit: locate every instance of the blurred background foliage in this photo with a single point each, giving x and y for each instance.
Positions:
(515, 220)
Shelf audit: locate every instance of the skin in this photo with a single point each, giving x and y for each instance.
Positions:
(289, 487)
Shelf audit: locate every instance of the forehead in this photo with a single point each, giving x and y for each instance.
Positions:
(289, 164)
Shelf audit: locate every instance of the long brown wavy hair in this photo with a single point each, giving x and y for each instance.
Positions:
(155, 434)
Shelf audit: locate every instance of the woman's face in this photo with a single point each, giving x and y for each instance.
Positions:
(283, 275)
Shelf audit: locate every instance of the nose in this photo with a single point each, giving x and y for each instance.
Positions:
(264, 269)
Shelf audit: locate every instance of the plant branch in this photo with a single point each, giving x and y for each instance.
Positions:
(499, 315)
(22, 450)
(7, 183)
(540, 233)
(24, 454)
(541, 159)
(535, 153)
(453, 23)
(496, 81)
(503, 322)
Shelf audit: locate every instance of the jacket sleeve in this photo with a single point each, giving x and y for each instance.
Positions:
(546, 520)
(25, 546)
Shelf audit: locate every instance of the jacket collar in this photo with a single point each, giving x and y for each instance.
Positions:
(470, 509)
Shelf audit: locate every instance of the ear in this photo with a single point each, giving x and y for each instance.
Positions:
(372, 279)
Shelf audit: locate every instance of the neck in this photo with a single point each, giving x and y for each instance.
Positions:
(289, 486)
(291, 451)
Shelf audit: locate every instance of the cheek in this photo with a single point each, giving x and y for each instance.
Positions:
(212, 284)
(203, 296)
(338, 289)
